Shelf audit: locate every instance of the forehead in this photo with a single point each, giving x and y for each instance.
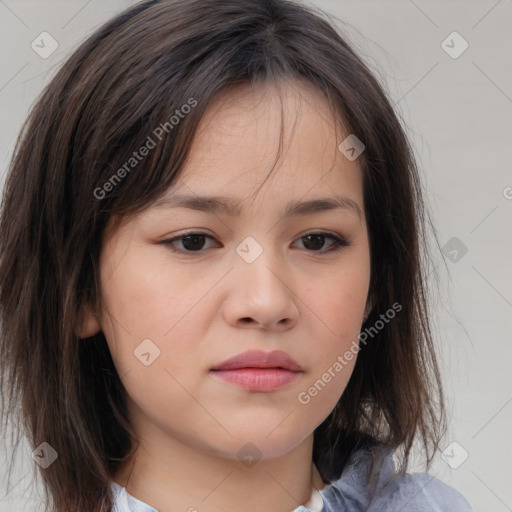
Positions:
(249, 132)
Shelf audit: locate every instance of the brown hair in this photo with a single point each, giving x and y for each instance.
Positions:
(125, 80)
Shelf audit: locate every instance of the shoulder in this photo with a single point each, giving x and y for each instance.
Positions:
(369, 483)
(420, 492)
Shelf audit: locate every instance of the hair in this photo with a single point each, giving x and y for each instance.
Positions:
(125, 80)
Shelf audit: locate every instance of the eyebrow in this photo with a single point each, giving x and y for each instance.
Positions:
(232, 207)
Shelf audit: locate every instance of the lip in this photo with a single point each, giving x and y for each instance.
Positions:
(260, 359)
(259, 371)
(257, 379)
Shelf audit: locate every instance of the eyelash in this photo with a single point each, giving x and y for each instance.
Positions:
(339, 243)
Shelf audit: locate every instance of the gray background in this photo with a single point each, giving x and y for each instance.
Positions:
(458, 113)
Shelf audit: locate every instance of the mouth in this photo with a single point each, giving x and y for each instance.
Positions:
(257, 379)
(259, 371)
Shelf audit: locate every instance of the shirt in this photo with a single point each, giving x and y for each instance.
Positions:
(358, 490)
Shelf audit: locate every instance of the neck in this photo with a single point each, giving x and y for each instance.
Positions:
(172, 476)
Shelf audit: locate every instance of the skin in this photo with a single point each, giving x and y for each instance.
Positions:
(201, 308)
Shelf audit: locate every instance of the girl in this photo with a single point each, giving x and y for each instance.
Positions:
(212, 285)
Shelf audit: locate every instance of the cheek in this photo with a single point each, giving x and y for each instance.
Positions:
(337, 305)
(338, 300)
(148, 294)
(147, 321)
(141, 303)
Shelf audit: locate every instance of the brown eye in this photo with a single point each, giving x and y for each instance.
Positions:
(314, 242)
(191, 242)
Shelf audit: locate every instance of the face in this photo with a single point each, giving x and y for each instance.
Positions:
(186, 288)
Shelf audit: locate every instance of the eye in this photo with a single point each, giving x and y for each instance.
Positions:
(315, 241)
(193, 242)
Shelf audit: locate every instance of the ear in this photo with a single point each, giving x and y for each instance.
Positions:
(368, 308)
(87, 324)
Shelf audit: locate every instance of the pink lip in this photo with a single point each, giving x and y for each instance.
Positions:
(260, 359)
(258, 379)
(256, 370)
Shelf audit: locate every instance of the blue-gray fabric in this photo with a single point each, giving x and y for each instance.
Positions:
(361, 488)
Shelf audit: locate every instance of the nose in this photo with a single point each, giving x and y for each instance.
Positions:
(261, 293)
